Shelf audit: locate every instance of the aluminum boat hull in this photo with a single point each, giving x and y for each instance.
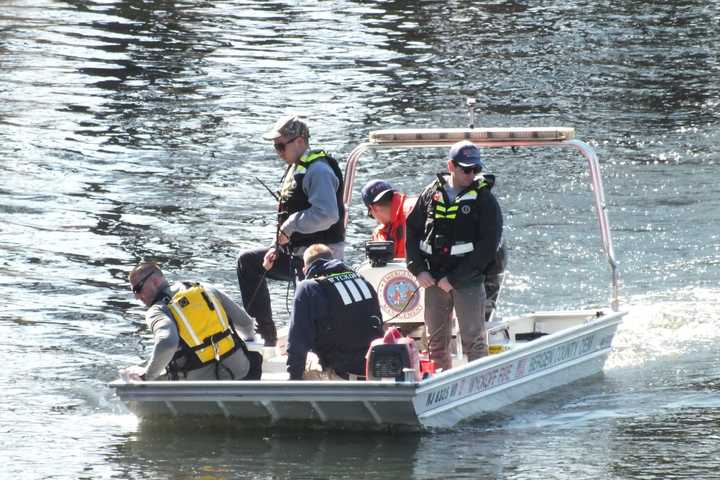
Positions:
(445, 399)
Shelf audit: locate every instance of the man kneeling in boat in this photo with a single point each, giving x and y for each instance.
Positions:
(195, 330)
(335, 315)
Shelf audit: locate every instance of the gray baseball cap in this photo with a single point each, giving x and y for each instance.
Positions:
(291, 126)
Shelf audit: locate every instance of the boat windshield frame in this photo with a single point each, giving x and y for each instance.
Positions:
(495, 138)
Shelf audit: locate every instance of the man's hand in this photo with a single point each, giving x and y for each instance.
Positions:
(425, 280)
(133, 373)
(269, 258)
(444, 284)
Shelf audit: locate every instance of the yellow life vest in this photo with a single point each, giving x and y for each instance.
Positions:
(202, 324)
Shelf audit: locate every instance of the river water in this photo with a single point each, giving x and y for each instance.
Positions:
(132, 130)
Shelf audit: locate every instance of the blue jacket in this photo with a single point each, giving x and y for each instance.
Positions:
(338, 333)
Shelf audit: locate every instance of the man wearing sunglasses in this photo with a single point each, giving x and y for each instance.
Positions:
(453, 234)
(197, 330)
(310, 211)
(390, 208)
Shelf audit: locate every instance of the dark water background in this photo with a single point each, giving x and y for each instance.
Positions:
(131, 130)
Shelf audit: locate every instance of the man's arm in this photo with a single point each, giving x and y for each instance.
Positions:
(307, 306)
(320, 184)
(244, 323)
(414, 232)
(165, 341)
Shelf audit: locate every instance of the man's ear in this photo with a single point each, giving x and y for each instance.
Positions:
(157, 280)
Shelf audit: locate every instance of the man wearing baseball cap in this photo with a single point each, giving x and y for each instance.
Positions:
(390, 208)
(310, 211)
(453, 234)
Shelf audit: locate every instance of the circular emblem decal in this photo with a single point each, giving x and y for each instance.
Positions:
(396, 290)
(465, 209)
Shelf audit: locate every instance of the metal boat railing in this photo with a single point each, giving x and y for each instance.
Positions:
(493, 138)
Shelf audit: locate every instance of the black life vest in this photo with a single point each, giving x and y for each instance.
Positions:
(355, 320)
(450, 227)
(293, 199)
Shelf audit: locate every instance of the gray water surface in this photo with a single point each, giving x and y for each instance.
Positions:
(132, 130)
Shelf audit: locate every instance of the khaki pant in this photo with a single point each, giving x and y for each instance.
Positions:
(469, 306)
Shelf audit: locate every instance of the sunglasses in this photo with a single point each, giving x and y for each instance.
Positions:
(137, 288)
(474, 170)
(280, 147)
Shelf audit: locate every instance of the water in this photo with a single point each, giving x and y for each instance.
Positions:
(132, 130)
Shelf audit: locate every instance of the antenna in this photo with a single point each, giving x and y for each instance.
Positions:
(471, 110)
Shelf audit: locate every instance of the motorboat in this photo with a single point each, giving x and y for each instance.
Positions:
(531, 353)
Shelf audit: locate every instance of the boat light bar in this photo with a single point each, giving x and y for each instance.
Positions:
(476, 135)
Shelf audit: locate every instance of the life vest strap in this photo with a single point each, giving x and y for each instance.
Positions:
(462, 248)
(455, 250)
(212, 339)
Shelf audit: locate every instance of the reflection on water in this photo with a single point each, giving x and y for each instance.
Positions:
(229, 453)
(132, 130)
(533, 438)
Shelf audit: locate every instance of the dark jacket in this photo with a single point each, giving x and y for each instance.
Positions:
(334, 322)
(482, 225)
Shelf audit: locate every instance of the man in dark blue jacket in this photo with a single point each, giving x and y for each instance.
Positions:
(335, 315)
